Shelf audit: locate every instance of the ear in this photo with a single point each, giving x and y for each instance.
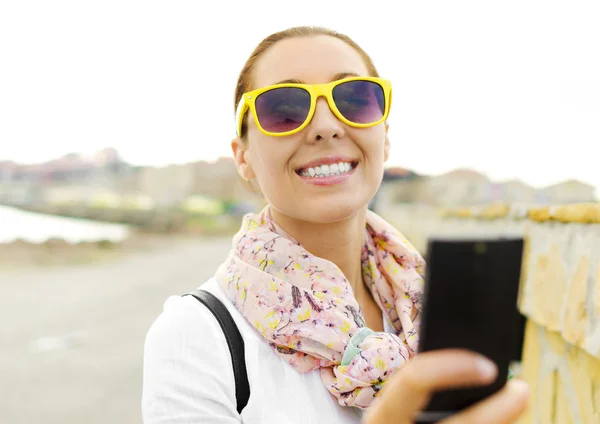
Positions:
(387, 145)
(242, 158)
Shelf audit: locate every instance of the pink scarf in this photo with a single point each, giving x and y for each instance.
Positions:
(306, 310)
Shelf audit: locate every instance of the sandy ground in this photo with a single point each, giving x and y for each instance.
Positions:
(54, 252)
(72, 336)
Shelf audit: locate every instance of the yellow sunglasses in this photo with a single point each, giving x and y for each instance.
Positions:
(285, 109)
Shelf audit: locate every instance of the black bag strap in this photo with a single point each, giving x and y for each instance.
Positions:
(234, 341)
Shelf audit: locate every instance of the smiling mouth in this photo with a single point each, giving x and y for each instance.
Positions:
(330, 170)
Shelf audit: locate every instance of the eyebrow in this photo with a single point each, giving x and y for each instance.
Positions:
(339, 76)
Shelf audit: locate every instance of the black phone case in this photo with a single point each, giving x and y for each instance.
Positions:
(471, 294)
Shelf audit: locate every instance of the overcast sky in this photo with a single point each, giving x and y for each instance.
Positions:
(509, 88)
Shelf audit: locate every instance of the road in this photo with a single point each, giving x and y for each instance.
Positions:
(107, 309)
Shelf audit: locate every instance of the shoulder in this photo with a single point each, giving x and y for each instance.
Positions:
(187, 365)
(185, 315)
(186, 327)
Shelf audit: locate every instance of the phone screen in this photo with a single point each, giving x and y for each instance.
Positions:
(470, 302)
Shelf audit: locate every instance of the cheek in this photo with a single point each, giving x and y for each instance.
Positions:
(373, 149)
(270, 163)
(372, 144)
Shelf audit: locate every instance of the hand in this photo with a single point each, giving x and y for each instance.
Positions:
(411, 387)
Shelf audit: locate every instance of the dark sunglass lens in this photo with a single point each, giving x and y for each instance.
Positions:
(361, 102)
(282, 109)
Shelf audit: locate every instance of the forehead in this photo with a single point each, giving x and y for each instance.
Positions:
(311, 60)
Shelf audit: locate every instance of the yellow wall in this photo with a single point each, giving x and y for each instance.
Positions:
(560, 295)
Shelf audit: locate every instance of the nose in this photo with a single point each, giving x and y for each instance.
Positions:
(324, 125)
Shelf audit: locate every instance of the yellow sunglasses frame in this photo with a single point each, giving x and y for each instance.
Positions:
(248, 102)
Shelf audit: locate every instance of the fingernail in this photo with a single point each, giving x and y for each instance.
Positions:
(519, 386)
(487, 369)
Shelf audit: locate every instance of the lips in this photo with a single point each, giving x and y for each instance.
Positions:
(329, 163)
(328, 175)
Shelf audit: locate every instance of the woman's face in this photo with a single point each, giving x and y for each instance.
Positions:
(278, 163)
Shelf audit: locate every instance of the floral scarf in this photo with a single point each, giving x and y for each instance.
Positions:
(306, 310)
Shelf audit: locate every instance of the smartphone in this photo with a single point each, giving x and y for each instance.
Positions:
(470, 301)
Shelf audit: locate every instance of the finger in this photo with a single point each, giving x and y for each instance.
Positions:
(410, 388)
(444, 369)
(503, 407)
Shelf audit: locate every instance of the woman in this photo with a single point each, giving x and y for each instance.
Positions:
(315, 271)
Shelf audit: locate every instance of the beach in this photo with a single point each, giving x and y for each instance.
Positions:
(72, 335)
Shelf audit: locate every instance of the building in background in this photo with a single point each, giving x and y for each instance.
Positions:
(104, 178)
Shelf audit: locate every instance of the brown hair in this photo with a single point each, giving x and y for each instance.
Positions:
(244, 82)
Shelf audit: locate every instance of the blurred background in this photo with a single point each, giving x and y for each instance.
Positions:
(117, 187)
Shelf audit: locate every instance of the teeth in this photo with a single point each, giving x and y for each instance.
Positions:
(327, 170)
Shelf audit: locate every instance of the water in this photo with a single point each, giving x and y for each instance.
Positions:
(38, 228)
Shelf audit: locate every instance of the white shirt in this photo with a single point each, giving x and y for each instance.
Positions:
(188, 375)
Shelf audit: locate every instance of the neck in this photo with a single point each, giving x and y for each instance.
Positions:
(339, 242)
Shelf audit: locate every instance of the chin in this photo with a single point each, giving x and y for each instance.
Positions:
(323, 206)
(332, 210)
